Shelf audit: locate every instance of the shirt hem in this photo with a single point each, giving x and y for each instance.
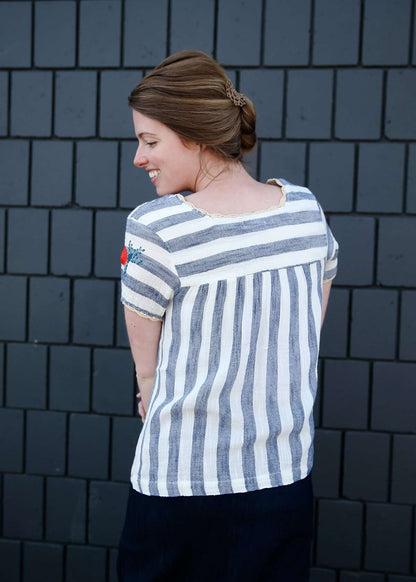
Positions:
(220, 488)
(141, 313)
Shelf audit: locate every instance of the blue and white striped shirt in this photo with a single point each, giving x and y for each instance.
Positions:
(240, 298)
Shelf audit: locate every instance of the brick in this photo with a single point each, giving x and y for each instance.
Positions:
(408, 326)
(238, 21)
(31, 103)
(12, 307)
(88, 446)
(115, 114)
(376, 160)
(145, 32)
(327, 463)
(10, 560)
(45, 442)
(122, 338)
(296, 16)
(322, 575)
(93, 312)
(393, 410)
(42, 562)
(411, 179)
(4, 101)
(396, 260)
(112, 568)
(28, 240)
(14, 171)
(335, 326)
(414, 558)
(124, 439)
(309, 104)
(358, 104)
(75, 105)
(51, 175)
(190, 27)
(26, 375)
(388, 534)
(22, 506)
(2, 368)
(284, 160)
(71, 242)
(2, 238)
(384, 20)
(96, 181)
(135, 186)
(99, 30)
(379, 339)
(113, 368)
(361, 577)
(81, 561)
(66, 501)
(49, 309)
(265, 88)
(404, 469)
(318, 398)
(356, 237)
(414, 57)
(109, 241)
(55, 26)
(107, 506)
(11, 440)
(339, 533)
(69, 378)
(331, 175)
(15, 34)
(346, 394)
(366, 466)
(336, 32)
(400, 113)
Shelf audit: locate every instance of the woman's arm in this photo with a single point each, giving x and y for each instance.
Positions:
(144, 335)
(326, 288)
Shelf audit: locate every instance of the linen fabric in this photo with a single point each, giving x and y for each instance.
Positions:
(236, 379)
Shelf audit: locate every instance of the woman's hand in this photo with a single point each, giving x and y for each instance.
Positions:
(140, 407)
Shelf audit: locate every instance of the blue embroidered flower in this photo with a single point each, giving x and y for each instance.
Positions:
(130, 255)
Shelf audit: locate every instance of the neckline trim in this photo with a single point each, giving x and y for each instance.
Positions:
(281, 204)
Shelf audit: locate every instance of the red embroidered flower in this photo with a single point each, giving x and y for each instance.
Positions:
(123, 256)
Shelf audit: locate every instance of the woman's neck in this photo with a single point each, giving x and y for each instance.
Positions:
(218, 176)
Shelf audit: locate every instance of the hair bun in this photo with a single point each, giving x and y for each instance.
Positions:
(190, 93)
(248, 127)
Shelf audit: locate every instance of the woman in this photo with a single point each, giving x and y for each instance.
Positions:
(224, 292)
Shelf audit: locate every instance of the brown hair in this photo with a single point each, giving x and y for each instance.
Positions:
(188, 93)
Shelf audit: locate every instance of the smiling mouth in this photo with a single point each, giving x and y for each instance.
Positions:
(153, 174)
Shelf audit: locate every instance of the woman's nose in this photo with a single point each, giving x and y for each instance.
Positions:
(140, 160)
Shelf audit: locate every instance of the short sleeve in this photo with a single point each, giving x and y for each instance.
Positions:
(148, 275)
(331, 262)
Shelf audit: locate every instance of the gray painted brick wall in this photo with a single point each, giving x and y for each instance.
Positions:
(334, 82)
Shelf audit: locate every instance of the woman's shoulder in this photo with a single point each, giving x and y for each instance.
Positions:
(296, 191)
(154, 210)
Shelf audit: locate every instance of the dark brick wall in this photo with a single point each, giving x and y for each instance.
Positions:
(334, 82)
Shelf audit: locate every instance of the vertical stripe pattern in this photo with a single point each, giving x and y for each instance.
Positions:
(240, 299)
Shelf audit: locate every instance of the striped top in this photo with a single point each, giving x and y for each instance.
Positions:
(236, 378)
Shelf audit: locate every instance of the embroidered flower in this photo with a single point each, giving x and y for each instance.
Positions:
(130, 255)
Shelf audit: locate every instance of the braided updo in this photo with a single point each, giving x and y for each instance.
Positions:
(191, 94)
